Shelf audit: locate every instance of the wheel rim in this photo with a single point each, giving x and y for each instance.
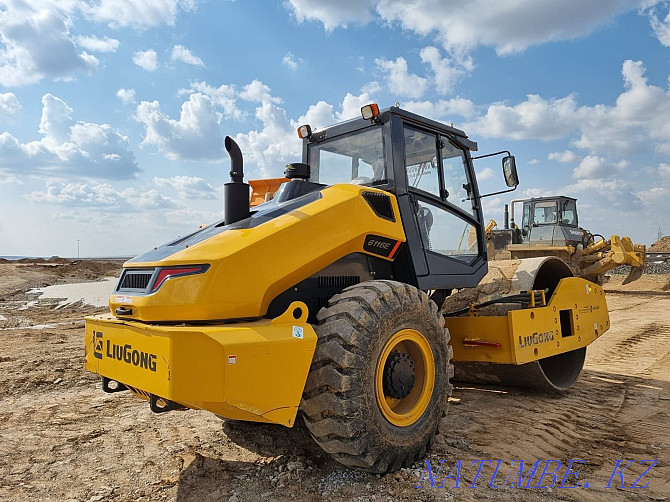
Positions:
(404, 411)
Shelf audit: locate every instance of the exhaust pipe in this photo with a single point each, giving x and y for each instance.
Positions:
(236, 193)
(506, 217)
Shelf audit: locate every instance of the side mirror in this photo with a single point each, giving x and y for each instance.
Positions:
(509, 171)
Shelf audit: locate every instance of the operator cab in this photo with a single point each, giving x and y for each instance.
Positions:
(550, 221)
(428, 167)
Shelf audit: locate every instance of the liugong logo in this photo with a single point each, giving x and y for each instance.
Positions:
(124, 353)
(97, 344)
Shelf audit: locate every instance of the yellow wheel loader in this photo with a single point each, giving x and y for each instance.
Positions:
(550, 227)
(323, 298)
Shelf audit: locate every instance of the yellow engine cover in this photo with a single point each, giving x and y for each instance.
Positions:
(249, 267)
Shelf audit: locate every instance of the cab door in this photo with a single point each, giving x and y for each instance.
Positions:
(444, 210)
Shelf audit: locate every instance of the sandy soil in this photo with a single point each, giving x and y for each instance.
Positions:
(62, 438)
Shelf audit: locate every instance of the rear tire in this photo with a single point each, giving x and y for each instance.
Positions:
(379, 381)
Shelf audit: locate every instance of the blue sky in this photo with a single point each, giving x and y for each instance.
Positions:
(113, 112)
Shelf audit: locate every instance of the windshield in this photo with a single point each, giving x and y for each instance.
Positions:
(356, 158)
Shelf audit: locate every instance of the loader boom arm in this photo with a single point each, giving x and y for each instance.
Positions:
(608, 254)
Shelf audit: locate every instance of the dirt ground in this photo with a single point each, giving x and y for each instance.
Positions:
(62, 438)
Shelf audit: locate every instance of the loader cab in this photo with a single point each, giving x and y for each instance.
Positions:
(428, 167)
(550, 221)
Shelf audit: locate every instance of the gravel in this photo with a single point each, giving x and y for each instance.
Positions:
(649, 268)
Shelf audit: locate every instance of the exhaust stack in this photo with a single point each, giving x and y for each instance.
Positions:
(235, 193)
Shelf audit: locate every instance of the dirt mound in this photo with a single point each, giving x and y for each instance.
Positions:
(661, 246)
(19, 278)
(57, 259)
(77, 269)
(30, 260)
(89, 269)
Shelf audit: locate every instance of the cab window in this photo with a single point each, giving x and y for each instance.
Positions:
(357, 157)
(445, 233)
(569, 215)
(457, 186)
(525, 221)
(545, 212)
(421, 161)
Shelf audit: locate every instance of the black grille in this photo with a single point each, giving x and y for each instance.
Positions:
(338, 281)
(136, 280)
(380, 204)
(322, 302)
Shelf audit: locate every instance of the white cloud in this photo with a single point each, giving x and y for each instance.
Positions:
(68, 148)
(564, 157)
(486, 174)
(593, 166)
(443, 108)
(147, 60)
(9, 179)
(36, 44)
(462, 26)
(535, 118)
(182, 54)
(259, 92)
(195, 136)
(183, 216)
(351, 105)
(276, 142)
(76, 194)
(127, 96)
(35, 39)
(146, 199)
(536, 192)
(661, 27)
(602, 197)
(638, 116)
(372, 87)
(533, 162)
(445, 71)
(100, 196)
(400, 81)
(95, 44)
(291, 62)
(188, 187)
(223, 97)
(9, 105)
(508, 26)
(636, 122)
(135, 13)
(331, 14)
(664, 170)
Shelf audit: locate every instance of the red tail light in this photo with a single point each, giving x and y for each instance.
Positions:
(166, 273)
